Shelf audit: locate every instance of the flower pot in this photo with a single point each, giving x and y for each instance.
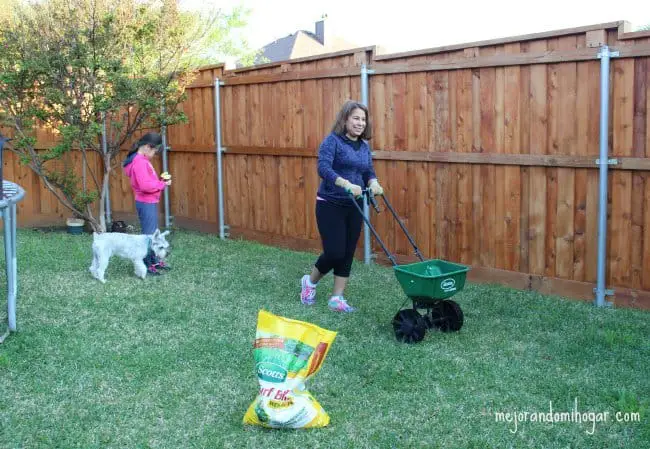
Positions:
(75, 225)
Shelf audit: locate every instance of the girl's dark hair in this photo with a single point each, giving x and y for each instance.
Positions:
(152, 139)
(344, 114)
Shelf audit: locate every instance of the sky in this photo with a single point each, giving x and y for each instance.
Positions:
(405, 25)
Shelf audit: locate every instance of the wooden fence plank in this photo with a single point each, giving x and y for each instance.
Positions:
(416, 102)
(487, 173)
(537, 144)
(645, 273)
(312, 114)
(477, 187)
(329, 109)
(582, 148)
(399, 112)
(285, 192)
(566, 128)
(645, 276)
(270, 183)
(623, 107)
(381, 221)
(279, 103)
(422, 203)
(232, 191)
(452, 201)
(244, 177)
(378, 105)
(441, 138)
(621, 188)
(254, 210)
(553, 147)
(647, 111)
(464, 115)
(593, 139)
(208, 116)
(242, 125)
(637, 225)
(524, 125)
(256, 119)
(412, 202)
(512, 175)
(620, 225)
(435, 221)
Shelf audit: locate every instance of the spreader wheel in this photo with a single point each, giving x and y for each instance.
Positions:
(448, 317)
(409, 326)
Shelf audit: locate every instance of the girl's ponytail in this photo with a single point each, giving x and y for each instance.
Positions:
(133, 149)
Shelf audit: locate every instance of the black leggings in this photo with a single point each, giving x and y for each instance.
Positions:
(339, 227)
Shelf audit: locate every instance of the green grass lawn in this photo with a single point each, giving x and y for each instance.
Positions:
(167, 362)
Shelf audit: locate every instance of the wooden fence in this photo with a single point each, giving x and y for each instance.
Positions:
(487, 150)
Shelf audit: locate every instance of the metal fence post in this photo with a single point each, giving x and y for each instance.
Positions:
(367, 253)
(603, 163)
(165, 166)
(217, 138)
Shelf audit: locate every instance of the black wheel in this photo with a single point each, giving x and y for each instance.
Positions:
(409, 326)
(448, 317)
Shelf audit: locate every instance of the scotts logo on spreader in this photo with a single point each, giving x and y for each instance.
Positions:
(271, 372)
(448, 285)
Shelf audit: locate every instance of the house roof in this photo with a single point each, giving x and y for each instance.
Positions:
(301, 44)
(278, 50)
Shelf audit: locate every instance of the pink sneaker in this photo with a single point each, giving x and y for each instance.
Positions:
(339, 304)
(307, 292)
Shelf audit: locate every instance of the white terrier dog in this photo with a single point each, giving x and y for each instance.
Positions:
(133, 247)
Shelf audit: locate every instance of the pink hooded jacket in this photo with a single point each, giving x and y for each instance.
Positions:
(144, 180)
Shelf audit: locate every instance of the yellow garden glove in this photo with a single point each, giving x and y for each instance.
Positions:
(349, 187)
(375, 188)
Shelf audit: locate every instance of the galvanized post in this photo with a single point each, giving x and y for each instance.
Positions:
(13, 288)
(367, 254)
(163, 132)
(603, 163)
(9, 257)
(217, 138)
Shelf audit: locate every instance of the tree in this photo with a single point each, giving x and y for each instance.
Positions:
(96, 62)
(224, 38)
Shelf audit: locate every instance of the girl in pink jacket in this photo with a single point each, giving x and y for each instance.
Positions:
(147, 187)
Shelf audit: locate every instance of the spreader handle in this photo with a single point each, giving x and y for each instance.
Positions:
(372, 229)
(408, 236)
(373, 201)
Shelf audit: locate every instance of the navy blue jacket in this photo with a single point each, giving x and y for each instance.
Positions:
(337, 156)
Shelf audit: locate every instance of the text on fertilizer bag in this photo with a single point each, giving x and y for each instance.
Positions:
(588, 418)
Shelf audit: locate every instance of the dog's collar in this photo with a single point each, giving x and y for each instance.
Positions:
(148, 243)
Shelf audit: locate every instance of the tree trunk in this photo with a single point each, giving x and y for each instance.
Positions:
(102, 203)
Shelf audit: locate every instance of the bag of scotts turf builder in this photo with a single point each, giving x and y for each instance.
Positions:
(287, 353)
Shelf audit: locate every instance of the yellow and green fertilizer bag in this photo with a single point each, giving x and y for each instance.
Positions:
(287, 352)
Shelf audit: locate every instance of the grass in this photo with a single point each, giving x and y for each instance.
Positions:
(167, 363)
